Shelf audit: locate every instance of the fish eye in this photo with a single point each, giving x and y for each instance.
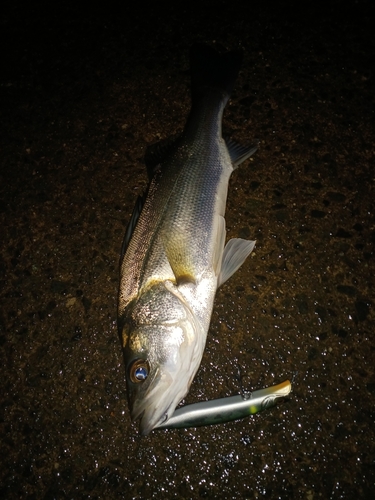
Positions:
(139, 370)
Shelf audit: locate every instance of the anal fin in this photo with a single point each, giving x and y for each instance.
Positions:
(238, 153)
(235, 253)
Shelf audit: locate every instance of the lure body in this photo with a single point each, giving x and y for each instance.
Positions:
(218, 411)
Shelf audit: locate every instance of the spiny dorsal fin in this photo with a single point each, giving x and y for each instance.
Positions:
(157, 153)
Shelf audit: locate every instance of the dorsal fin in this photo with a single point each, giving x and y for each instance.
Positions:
(157, 153)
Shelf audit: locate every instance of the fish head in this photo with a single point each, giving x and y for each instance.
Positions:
(163, 347)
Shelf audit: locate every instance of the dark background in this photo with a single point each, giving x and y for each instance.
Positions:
(83, 91)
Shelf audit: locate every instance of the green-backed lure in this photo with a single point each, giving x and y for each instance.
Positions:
(219, 411)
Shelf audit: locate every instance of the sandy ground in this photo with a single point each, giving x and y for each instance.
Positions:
(82, 95)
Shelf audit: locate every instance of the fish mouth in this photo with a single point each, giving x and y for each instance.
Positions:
(150, 418)
(147, 424)
(156, 406)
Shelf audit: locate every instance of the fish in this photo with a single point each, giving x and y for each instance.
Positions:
(174, 256)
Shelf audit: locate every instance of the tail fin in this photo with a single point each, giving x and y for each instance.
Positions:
(213, 70)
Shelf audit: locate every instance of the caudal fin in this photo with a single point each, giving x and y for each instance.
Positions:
(213, 70)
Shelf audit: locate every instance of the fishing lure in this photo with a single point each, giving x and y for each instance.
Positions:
(219, 411)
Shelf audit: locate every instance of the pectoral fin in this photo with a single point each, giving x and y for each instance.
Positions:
(235, 253)
(180, 259)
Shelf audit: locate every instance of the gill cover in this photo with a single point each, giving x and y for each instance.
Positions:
(161, 353)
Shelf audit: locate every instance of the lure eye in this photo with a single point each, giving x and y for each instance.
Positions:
(139, 371)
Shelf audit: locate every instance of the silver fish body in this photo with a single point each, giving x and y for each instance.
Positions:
(174, 255)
